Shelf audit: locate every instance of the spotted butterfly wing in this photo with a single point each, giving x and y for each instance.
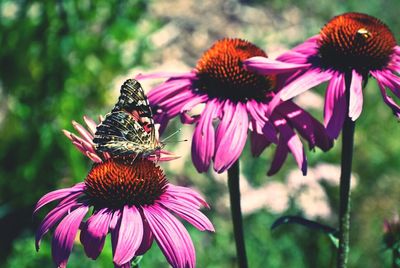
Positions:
(129, 127)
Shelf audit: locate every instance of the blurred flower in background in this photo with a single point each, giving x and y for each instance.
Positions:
(307, 193)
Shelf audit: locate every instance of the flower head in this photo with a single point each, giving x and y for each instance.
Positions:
(236, 100)
(133, 201)
(349, 48)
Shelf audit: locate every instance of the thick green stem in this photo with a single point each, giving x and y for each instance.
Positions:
(234, 195)
(345, 177)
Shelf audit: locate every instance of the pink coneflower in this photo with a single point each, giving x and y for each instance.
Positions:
(84, 142)
(349, 48)
(235, 100)
(131, 200)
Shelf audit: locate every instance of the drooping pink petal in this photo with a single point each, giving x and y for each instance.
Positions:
(185, 193)
(58, 194)
(266, 66)
(92, 125)
(168, 89)
(335, 105)
(203, 142)
(183, 96)
(125, 265)
(130, 235)
(188, 75)
(84, 133)
(197, 99)
(64, 235)
(289, 139)
(389, 79)
(52, 218)
(148, 238)
(261, 122)
(280, 155)
(309, 79)
(258, 143)
(94, 232)
(94, 157)
(356, 96)
(80, 143)
(305, 124)
(231, 135)
(309, 46)
(189, 213)
(293, 57)
(388, 100)
(171, 236)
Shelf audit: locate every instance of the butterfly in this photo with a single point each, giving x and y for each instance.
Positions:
(129, 128)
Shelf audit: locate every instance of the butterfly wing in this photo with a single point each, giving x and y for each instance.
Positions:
(129, 128)
(133, 100)
(120, 134)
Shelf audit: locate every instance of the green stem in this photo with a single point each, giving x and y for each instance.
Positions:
(345, 177)
(234, 195)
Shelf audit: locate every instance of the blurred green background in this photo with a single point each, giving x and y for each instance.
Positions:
(60, 60)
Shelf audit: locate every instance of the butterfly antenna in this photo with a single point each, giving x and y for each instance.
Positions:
(170, 136)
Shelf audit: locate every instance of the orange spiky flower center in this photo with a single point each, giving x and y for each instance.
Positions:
(122, 181)
(356, 41)
(221, 74)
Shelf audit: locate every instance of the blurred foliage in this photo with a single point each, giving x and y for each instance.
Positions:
(58, 62)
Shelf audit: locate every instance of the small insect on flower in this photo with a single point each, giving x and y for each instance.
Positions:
(129, 128)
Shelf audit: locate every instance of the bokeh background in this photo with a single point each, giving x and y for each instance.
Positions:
(60, 60)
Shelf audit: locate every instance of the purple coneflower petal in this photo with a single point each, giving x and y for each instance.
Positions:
(335, 105)
(94, 157)
(84, 133)
(261, 122)
(203, 142)
(92, 125)
(294, 57)
(231, 135)
(94, 232)
(356, 96)
(288, 138)
(309, 79)
(389, 80)
(309, 46)
(130, 235)
(147, 240)
(168, 89)
(195, 100)
(279, 157)
(162, 119)
(58, 194)
(266, 66)
(388, 100)
(171, 236)
(52, 218)
(178, 97)
(166, 75)
(258, 143)
(64, 235)
(307, 126)
(189, 213)
(185, 193)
